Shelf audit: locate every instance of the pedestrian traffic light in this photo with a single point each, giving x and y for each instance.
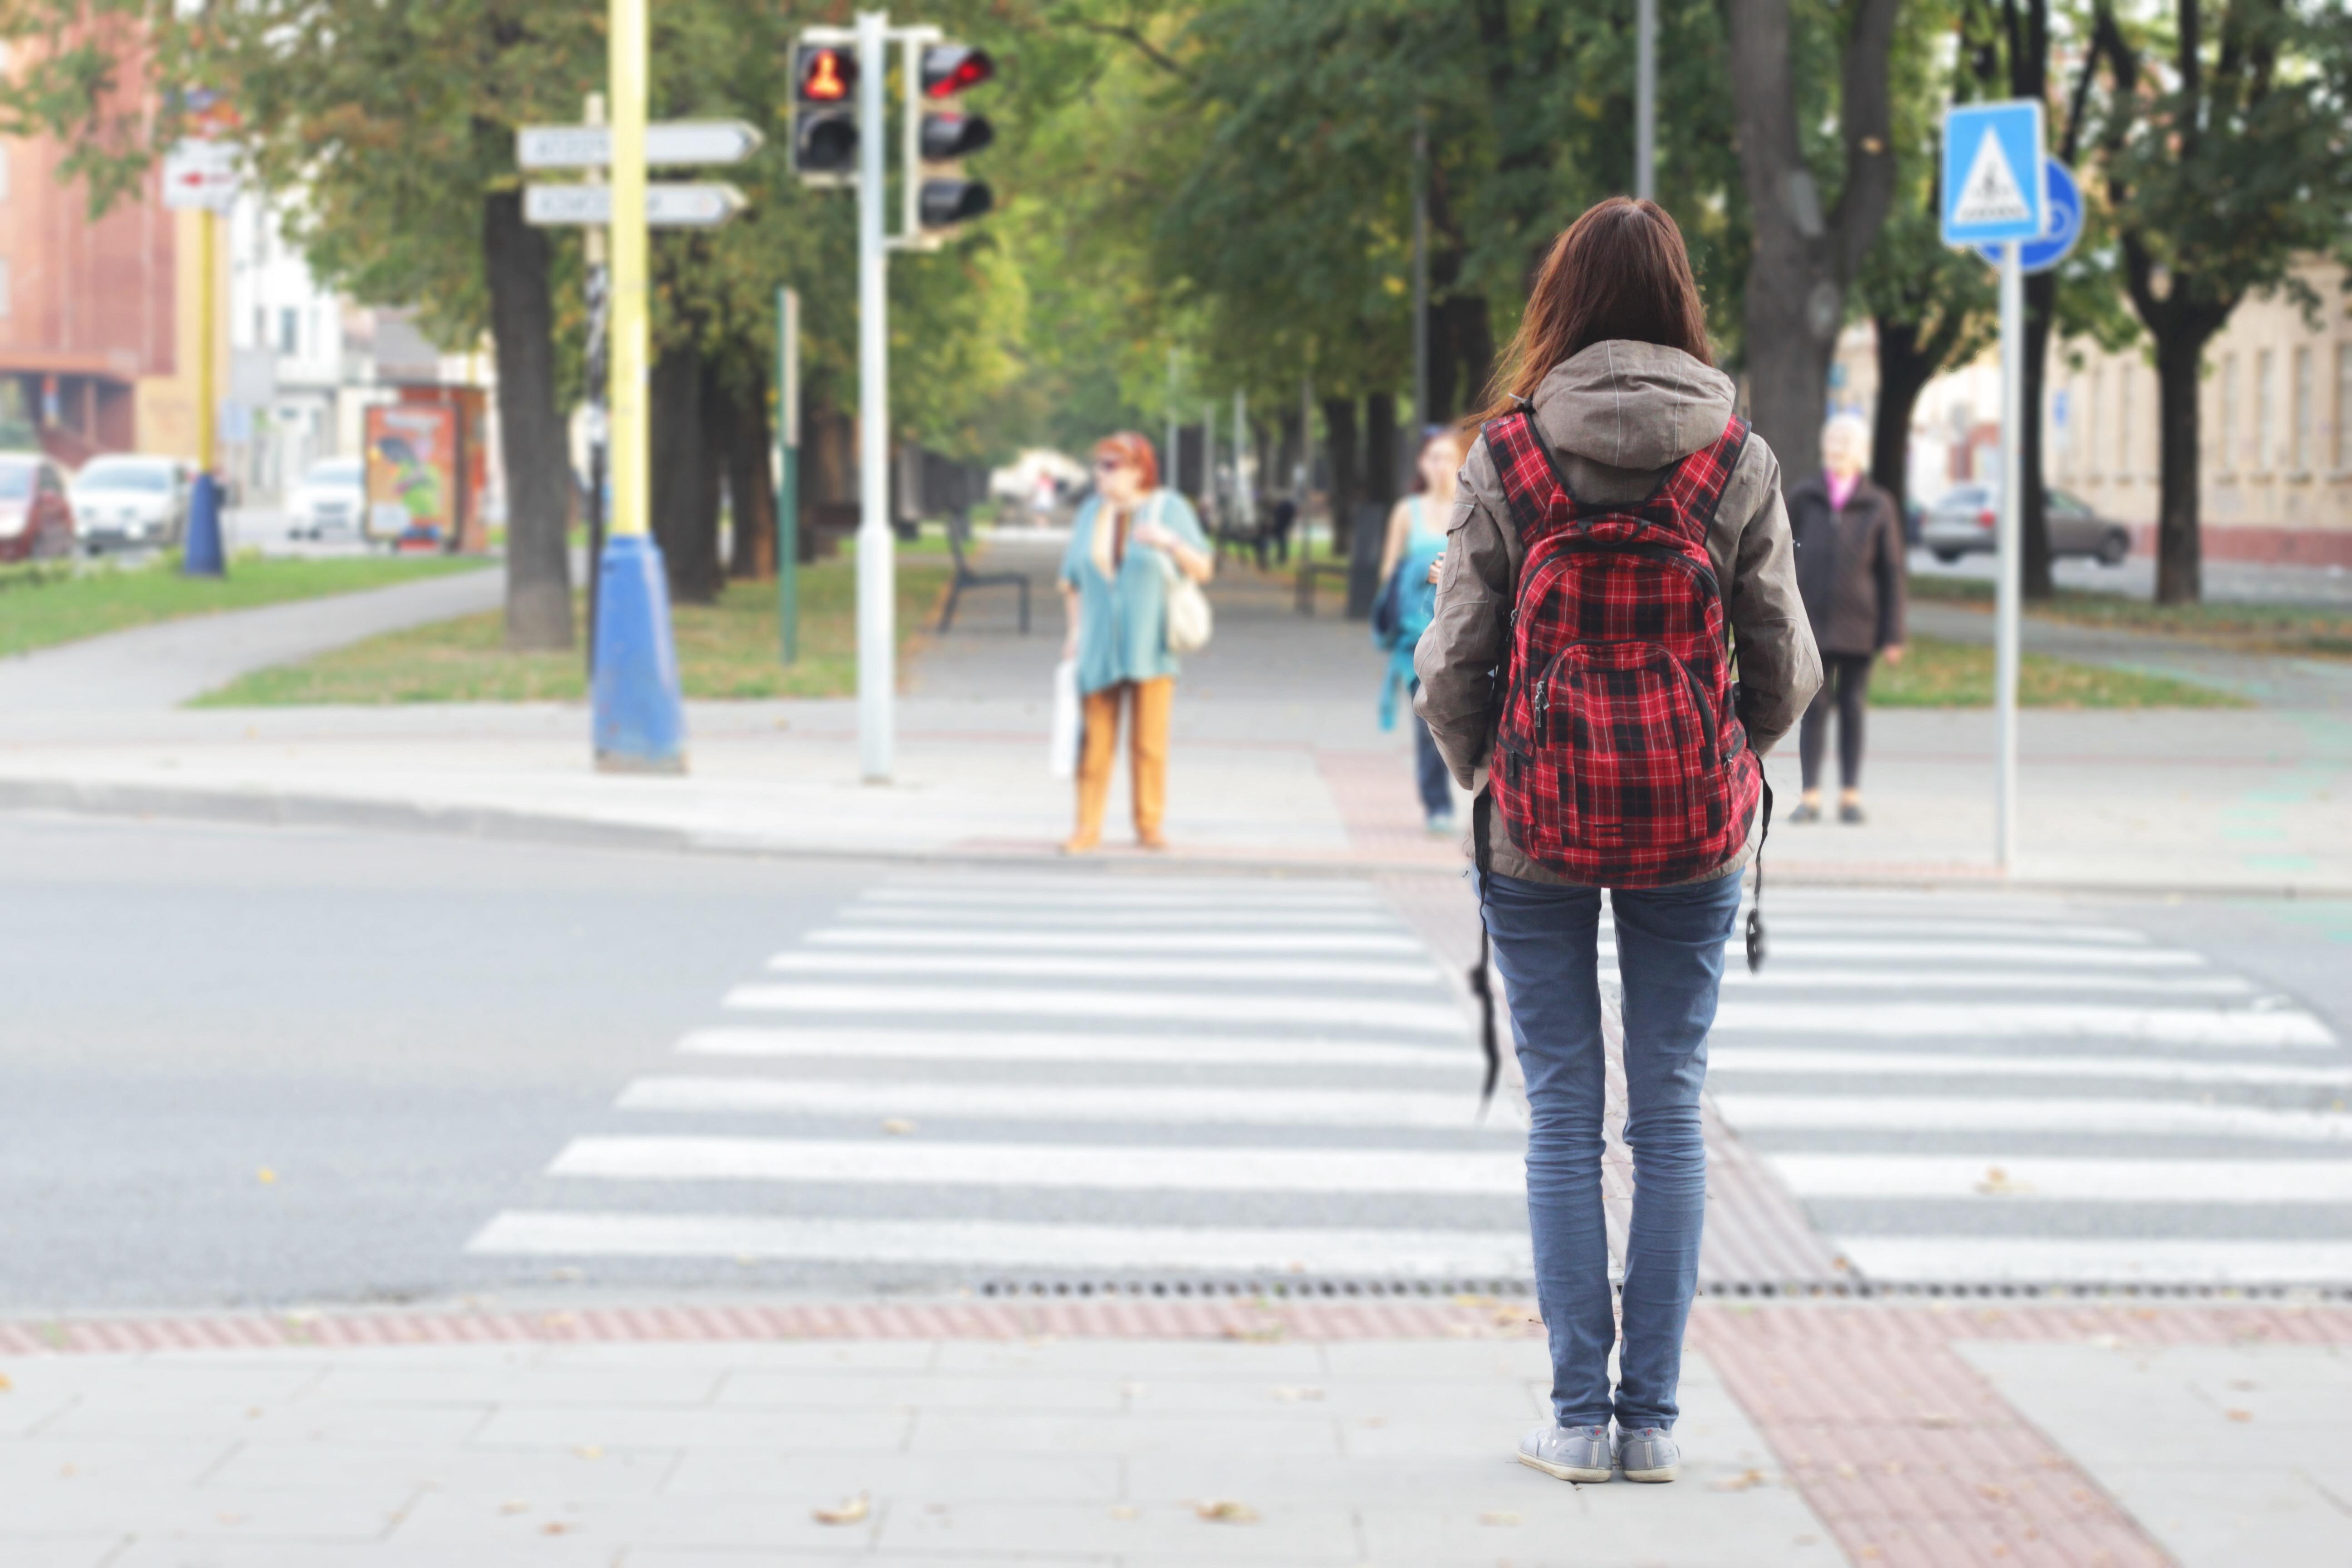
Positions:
(825, 114)
(947, 135)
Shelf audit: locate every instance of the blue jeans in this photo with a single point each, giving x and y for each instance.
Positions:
(1430, 774)
(1670, 961)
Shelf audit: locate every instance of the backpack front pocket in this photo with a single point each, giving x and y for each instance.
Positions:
(1625, 724)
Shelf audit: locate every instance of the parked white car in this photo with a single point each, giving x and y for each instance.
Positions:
(129, 499)
(332, 500)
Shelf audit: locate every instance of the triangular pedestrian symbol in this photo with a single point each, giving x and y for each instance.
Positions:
(1990, 194)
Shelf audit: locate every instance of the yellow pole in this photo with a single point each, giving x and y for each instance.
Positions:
(207, 372)
(631, 448)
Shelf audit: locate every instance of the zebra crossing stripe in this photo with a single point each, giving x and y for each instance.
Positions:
(1953, 956)
(1175, 1006)
(2096, 1260)
(1123, 1168)
(1806, 1059)
(1075, 899)
(1057, 919)
(2080, 1117)
(1123, 1103)
(2006, 1178)
(1261, 944)
(1897, 925)
(1007, 1244)
(2052, 1020)
(1187, 1050)
(1778, 976)
(1143, 966)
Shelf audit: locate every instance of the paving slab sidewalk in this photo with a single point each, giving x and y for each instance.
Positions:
(1161, 1432)
(1278, 762)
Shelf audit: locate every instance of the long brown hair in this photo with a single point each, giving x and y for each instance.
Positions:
(1619, 272)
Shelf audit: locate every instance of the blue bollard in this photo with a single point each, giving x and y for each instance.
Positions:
(201, 553)
(640, 723)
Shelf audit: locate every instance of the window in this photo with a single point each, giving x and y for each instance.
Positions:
(2343, 407)
(2123, 421)
(290, 331)
(6, 304)
(2229, 442)
(2302, 464)
(2265, 413)
(2092, 408)
(260, 327)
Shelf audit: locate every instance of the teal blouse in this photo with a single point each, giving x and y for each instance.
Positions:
(1123, 618)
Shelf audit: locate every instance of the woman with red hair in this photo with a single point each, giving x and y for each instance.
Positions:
(1127, 539)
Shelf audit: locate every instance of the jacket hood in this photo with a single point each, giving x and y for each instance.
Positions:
(1633, 405)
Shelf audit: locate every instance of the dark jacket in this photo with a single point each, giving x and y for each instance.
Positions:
(1617, 416)
(1850, 565)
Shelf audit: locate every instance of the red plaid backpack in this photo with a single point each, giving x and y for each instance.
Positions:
(1619, 761)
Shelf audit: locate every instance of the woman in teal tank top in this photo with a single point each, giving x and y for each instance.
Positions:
(1409, 562)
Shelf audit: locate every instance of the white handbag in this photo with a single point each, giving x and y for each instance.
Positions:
(1191, 622)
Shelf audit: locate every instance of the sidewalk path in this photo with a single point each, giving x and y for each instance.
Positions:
(1277, 762)
(1151, 1432)
(151, 669)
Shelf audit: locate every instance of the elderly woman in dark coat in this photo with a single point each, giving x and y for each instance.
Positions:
(1850, 569)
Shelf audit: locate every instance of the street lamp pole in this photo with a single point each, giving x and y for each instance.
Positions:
(1421, 271)
(877, 654)
(1645, 100)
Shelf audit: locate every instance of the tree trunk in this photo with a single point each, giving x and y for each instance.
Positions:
(1381, 447)
(686, 511)
(1286, 455)
(531, 443)
(2180, 568)
(751, 492)
(1340, 445)
(1803, 256)
(1461, 356)
(1903, 371)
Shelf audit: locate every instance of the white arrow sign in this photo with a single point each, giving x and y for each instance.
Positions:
(673, 141)
(667, 207)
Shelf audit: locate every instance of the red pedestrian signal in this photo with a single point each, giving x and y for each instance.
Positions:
(952, 69)
(946, 135)
(826, 74)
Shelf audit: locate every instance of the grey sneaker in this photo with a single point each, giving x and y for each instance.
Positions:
(1649, 1454)
(1566, 1453)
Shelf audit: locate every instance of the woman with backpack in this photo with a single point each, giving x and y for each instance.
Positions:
(1416, 539)
(1618, 525)
(1128, 543)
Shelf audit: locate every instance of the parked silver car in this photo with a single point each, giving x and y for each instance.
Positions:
(127, 499)
(332, 500)
(1961, 523)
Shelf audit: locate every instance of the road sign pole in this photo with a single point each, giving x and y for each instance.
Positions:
(202, 549)
(877, 654)
(2013, 414)
(638, 719)
(1645, 100)
(788, 473)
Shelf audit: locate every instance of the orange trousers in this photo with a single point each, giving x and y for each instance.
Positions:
(1148, 704)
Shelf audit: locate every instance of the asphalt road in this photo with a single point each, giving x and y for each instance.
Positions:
(272, 1066)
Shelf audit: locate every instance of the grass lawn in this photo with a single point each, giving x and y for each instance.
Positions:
(724, 650)
(1938, 674)
(53, 604)
(2300, 630)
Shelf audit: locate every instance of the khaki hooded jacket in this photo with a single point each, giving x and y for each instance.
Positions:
(1617, 416)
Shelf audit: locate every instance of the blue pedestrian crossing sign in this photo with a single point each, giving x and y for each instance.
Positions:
(1994, 186)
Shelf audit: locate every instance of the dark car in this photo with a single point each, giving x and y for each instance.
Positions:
(1962, 521)
(36, 518)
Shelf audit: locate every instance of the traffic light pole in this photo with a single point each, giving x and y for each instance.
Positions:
(876, 563)
(2009, 595)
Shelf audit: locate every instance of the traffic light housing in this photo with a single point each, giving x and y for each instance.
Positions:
(825, 114)
(947, 135)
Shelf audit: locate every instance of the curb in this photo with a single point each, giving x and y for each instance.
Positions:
(289, 809)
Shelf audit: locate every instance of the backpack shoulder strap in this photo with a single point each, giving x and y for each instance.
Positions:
(1695, 489)
(1531, 481)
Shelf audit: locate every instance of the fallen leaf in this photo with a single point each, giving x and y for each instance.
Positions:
(555, 1527)
(1847, 1473)
(264, 1175)
(514, 1505)
(1740, 1482)
(1936, 1420)
(1226, 1513)
(230, 1518)
(1124, 1511)
(1498, 1517)
(1992, 1493)
(4, 1384)
(896, 1126)
(1996, 1183)
(1291, 1395)
(1265, 1333)
(2239, 1415)
(589, 1451)
(1376, 1421)
(850, 1511)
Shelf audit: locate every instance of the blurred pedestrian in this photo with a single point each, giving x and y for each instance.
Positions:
(1409, 558)
(1278, 526)
(1126, 540)
(1851, 570)
(1614, 513)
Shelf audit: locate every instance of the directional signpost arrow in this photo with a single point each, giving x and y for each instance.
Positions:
(670, 143)
(667, 207)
